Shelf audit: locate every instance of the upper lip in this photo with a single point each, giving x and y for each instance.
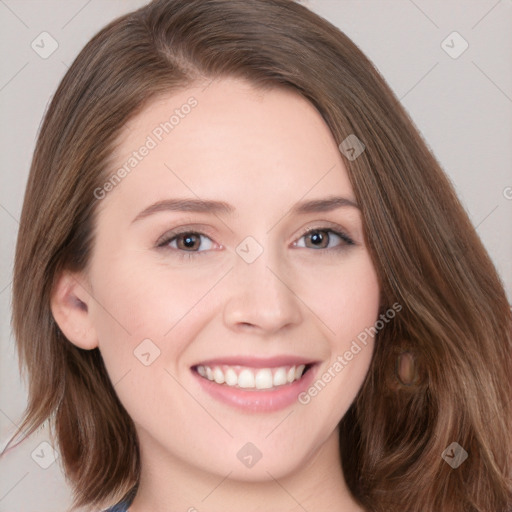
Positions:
(256, 362)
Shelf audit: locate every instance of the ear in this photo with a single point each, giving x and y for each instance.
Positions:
(70, 308)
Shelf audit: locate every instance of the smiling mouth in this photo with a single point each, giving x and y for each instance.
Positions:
(252, 379)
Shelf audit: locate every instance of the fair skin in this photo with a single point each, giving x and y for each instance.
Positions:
(305, 296)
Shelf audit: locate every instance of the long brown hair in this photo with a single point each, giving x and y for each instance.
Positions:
(455, 320)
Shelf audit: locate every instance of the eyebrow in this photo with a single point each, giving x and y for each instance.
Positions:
(323, 205)
(222, 208)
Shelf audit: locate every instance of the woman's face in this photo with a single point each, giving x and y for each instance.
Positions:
(258, 283)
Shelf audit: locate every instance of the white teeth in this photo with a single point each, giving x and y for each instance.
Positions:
(299, 371)
(246, 379)
(218, 376)
(249, 378)
(280, 377)
(231, 378)
(263, 379)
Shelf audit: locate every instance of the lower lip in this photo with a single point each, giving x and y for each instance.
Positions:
(258, 400)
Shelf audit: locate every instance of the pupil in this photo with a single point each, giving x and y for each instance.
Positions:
(189, 241)
(317, 238)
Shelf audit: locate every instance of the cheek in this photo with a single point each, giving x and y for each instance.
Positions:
(143, 291)
(345, 297)
(347, 301)
(142, 307)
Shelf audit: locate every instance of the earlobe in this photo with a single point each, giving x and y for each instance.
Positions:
(69, 304)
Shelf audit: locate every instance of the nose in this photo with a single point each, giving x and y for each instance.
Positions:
(261, 297)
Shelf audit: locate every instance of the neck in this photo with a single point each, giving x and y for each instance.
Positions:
(173, 485)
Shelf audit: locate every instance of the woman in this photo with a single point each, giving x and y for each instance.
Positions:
(254, 284)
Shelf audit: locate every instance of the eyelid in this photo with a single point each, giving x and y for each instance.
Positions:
(189, 229)
(170, 235)
(329, 226)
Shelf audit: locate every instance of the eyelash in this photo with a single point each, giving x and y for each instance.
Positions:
(170, 237)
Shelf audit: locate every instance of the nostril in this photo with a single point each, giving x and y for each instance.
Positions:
(247, 324)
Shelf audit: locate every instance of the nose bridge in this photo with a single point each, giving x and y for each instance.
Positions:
(261, 295)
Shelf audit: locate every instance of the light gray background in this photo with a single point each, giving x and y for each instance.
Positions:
(462, 107)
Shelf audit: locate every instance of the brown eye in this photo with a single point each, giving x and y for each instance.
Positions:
(319, 239)
(324, 239)
(187, 241)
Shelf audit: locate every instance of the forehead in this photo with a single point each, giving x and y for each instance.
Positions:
(229, 139)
